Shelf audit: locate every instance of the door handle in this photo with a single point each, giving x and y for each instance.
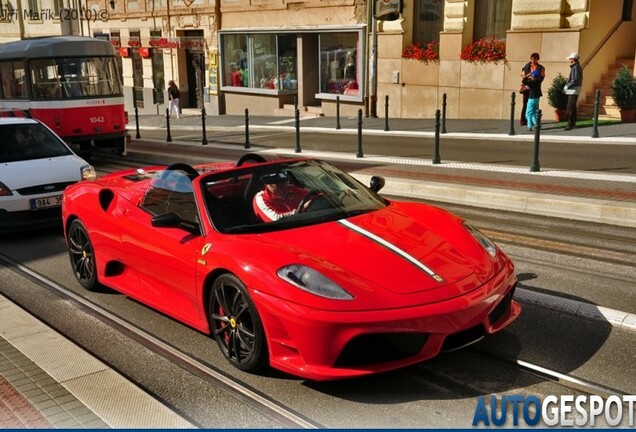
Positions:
(127, 212)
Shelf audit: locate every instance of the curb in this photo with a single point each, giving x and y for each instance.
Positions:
(423, 134)
(582, 209)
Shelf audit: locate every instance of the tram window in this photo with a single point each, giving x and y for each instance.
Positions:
(44, 79)
(94, 76)
(13, 80)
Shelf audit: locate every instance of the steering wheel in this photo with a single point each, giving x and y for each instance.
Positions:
(253, 157)
(305, 203)
(180, 166)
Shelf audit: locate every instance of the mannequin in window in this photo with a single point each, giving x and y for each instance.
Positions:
(350, 66)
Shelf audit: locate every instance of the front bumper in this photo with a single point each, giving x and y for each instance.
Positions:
(324, 345)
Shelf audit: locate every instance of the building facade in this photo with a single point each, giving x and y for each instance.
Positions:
(267, 55)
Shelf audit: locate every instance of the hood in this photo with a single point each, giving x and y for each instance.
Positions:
(17, 175)
(404, 248)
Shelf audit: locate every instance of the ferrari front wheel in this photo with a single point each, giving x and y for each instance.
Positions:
(236, 326)
(80, 250)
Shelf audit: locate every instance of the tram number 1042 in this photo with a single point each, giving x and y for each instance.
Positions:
(96, 119)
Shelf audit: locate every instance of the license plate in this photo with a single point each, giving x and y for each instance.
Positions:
(45, 202)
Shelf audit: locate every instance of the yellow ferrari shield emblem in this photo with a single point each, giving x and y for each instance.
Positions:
(206, 248)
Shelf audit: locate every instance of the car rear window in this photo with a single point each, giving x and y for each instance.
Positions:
(28, 141)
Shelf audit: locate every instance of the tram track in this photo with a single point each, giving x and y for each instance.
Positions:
(281, 414)
(267, 405)
(565, 380)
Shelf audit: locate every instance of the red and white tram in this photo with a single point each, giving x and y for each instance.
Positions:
(70, 83)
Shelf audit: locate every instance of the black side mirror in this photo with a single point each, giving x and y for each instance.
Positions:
(173, 220)
(376, 183)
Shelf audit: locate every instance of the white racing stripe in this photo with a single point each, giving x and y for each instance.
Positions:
(392, 247)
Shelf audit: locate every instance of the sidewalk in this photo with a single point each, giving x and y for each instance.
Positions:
(597, 195)
(46, 381)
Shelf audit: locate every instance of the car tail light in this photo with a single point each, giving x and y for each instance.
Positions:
(125, 117)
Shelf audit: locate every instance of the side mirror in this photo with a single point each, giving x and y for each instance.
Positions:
(376, 184)
(172, 220)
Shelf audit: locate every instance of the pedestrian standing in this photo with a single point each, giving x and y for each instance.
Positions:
(573, 88)
(173, 94)
(526, 71)
(532, 80)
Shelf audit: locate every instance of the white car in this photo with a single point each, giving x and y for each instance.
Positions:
(35, 168)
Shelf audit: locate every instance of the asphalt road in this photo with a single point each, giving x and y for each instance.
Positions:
(582, 262)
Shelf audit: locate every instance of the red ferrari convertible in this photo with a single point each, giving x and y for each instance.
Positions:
(340, 283)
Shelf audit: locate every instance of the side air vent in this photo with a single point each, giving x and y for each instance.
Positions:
(105, 198)
(114, 268)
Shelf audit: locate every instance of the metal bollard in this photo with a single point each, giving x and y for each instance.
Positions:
(444, 113)
(297, 123)
(168, 136)
(536, 167)
(204, 140)
(597, 106)
(337, 112)
(137, 135)
(359, 154)
(512, 113)
(386, 113)
(247, 128)
(436, 158)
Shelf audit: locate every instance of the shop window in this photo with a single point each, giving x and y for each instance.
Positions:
(260, 61)
(340, 64)
(492, 18)
(429, 20)
(264, 55)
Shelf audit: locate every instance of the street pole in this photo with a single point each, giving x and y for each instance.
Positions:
(373, 69)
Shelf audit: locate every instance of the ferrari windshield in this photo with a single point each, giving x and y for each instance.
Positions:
(284, 195)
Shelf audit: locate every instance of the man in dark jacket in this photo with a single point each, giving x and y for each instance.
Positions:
(573, 88)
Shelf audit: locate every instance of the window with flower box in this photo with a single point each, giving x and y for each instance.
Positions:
(492, 18)
(428, 21)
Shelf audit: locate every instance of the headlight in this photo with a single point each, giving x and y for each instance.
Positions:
(482, 239)
(308, 279)
(4, 190)
(88, 172)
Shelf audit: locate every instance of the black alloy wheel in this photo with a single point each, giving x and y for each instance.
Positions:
(80, 250)
(236, 325)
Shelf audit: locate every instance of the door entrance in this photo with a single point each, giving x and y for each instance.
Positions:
(195, 64)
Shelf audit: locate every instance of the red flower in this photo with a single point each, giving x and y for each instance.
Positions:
(417, 52)
(488, 49)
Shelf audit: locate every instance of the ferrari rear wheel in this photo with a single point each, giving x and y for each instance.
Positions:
(80, 250)
(236, 325)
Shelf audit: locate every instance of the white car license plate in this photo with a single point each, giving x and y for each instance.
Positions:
(45, 202)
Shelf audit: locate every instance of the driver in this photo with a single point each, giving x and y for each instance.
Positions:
(278, 199)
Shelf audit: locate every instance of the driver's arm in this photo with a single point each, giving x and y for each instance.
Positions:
(267, 210)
